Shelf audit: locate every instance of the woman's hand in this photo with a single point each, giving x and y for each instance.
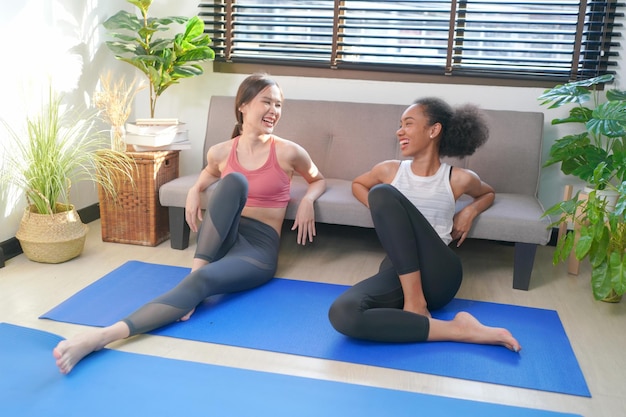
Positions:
(305, 222)
(462, 223)
(193, 211)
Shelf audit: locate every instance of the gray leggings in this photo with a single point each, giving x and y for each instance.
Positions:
(242, 254)
(373, 308)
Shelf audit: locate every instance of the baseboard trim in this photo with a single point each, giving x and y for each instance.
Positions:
(10, 248)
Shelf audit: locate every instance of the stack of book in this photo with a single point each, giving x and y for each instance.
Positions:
(157, 135)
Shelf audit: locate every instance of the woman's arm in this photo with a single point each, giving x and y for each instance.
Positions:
(382, 172)
(209, 175)
(467, 182)
(305, 216)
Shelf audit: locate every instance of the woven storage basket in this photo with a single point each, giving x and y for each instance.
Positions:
(136, 216)
(52, 238)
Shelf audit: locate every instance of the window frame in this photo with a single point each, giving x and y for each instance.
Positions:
(383, 72)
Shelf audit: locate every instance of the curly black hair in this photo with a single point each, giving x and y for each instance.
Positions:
(464, 129)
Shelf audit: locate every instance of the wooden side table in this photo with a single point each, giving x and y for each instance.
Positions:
(136, 216)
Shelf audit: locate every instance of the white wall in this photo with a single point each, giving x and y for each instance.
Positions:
(57, 42)
(189, 100)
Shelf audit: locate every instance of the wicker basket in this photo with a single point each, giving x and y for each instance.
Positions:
(52, 238)
(136, 216)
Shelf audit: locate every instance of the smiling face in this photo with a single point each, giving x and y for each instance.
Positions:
(415, 133)
(261, 114)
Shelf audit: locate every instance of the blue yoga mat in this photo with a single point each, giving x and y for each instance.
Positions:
(290, 316)
(110, 382)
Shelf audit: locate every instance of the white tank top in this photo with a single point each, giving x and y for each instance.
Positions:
(431, 195)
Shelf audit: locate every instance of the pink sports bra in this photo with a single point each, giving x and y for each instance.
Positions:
(268, 186)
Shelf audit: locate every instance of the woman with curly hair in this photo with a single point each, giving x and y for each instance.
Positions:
(412, 203)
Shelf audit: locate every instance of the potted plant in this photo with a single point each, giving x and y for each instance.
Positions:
(597, 156)
(58, 145)
(164, 60)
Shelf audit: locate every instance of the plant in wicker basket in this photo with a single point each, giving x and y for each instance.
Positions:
(59, 145)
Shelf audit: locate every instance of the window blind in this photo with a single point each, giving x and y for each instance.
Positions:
(557, 40)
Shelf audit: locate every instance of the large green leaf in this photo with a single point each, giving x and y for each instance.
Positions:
(601, 281)
(123, 20)
(614, 94)
(198, 54)
(565, 94)
(194, 28)
(576, 115)
(609, 119)
(602, 79)
(575, 92)
(617, 267)
(143, 5)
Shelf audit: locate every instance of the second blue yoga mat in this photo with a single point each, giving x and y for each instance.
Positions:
(290, 316)
(113, 383)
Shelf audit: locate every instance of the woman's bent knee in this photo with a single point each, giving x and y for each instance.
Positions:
(236, 179)
(344, 316)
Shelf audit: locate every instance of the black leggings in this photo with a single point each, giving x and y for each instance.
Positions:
(373, 308)
(243, 254)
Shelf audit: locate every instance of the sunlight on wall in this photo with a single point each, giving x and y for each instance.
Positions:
(55, 59)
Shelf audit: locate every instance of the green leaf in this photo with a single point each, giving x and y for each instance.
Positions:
(143, 5)
(576, 115)
(121, 48)
(582, 246)
(194, 28)
(166, 21)
(618, 271)
(198, 54)
(613, 95)
(187, 71)
(123, 20)
(574, 92)
(609, 119)
(563, 248)
(598, 249)
(124, 37)
(565, 94)
(601, 281)
(620, 207)
(602, 79)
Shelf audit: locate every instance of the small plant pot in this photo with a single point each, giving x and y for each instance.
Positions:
(52, 238)
(609, 196)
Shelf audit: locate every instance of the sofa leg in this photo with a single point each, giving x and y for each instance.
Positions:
(524, 259)
(179, 229)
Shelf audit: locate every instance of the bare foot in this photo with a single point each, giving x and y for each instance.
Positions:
(69, 352)
(476, 332)
(466, 328)
(187, 316)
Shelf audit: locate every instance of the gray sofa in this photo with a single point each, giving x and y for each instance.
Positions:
(346, 139)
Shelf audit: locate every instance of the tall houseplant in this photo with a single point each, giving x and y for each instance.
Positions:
(164, 60)
(597, 156)
(58, 145)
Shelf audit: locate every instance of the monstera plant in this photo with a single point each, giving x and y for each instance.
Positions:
(597, 156)
(147, 44)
